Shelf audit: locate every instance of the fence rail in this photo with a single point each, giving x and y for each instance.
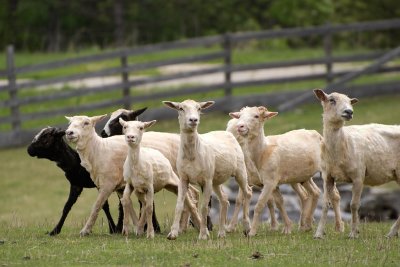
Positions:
(19, 94)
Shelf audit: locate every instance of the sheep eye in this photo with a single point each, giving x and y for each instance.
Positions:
(332, 101)
(181, 109)
(256, 116)
(124, 127)
(86, 123)
(141, 128)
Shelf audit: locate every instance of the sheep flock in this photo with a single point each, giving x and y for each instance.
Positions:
(127, 158)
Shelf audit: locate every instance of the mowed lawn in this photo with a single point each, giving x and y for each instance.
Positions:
(34, 191)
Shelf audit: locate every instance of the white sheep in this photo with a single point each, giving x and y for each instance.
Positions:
(207, 160)
(359, 154)
(254, 179)
(147, 171)
(292, 157)
(103, 158)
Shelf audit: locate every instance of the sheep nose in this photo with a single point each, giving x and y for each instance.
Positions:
(70, 132)
(348, 112)
(193, 119)
(130, 137)
(240, 126)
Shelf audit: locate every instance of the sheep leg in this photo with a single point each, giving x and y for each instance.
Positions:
(329, 194)
(354, 206)
(281, 206)
(156, 225)
(204, 234)
(142, 218)
(313, 191)
(104, 194)
(182, 192)
(305, 204)
(335, 198)
(394, 230)
(262, 200)
(241, 179)
(234, 220)
(274, 224)
(149, 201)
(120, 215)
(127, 209)
(74, 193)
(224, 204)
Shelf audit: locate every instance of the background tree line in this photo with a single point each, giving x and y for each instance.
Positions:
(55, 25)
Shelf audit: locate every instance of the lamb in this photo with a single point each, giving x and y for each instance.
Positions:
(293, 157)
(207, 160)
(359, 154)
(49, 144)
(102, 157)
(253, 175)
(166, 143)
(147, 171)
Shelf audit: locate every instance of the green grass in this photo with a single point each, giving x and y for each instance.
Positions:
(34, 192)
(29, 246)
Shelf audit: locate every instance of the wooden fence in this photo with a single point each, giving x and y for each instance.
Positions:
(19, 93)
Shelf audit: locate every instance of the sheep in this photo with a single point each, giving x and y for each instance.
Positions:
(166, 143)
(102, 157)
(358, 154)
(254, 176)
(207, 160)
(49, 144)
(292, 157)
(147, 171)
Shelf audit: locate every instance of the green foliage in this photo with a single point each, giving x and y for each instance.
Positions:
(49, 25)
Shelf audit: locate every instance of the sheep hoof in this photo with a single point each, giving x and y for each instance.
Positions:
(230, 228)
(221, 234)
(318, 236)
(246, 232)
(353, 235)
(204, 235)
(150, 235)
(171, 236)
(251, 233)
(125, 231)
(339, 227)
(84, 232)
(391, 235)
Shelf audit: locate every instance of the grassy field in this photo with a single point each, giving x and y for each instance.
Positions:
(34, 192)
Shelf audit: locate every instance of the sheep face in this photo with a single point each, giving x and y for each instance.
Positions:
(81, 127)
(337, 107)
(45, 142)
(251, 119)
(189, 112)
(133, 130)
(113, 127)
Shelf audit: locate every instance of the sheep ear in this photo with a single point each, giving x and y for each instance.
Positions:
(353, 101)
(96, 119)
(234, 115)
(170, 104)
(269, 114)
(68, 118)
(148, 124)
(320, 95)
(134, 114)
(206, 104)
(122, 122)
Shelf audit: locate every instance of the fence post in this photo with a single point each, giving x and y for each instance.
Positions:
(228, 63)
(125, 81)
(328, 56)
(12, 91)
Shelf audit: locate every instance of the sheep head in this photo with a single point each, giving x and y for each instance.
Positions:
(46, 142)
(189, 112)
(251, 119)
(113, 127)
(133, 130)
(337, 107)
(81, 128)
